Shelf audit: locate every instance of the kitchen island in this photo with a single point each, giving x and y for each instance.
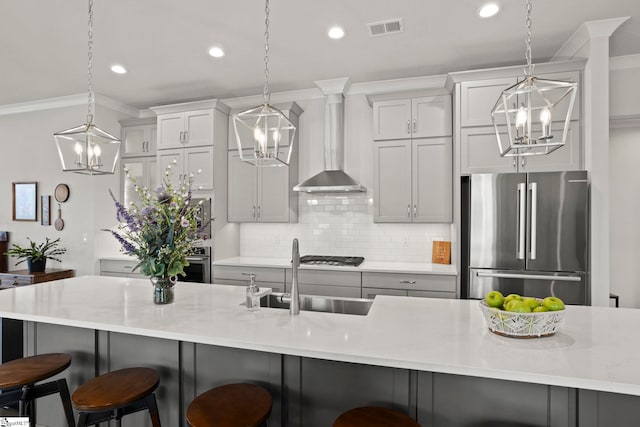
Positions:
(434, 359)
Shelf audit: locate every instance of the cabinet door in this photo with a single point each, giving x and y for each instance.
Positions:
(371, 293)
(273, 194)
(479, 152)
(432, 182)
(329, 291)
(170, 130)
(166, 158)
(392, 181)
(199, 128)
(392, 119)
(243, 179)
(478, 98)
(431, 116)
(566, 158)
(134, 139)
(198, 161)
(143, 169)
(432, 294)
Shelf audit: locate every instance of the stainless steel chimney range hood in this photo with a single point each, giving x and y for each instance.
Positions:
(332, 179)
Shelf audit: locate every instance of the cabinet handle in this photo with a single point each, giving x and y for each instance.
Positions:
(258, 212)
(415, 210)
(182, 137)
(186, 137)
(408, 126)
(522, 162)
(415, 127)
(145, 146)
(253, 212)
(408, 211)
(408, 282)
(514, 162)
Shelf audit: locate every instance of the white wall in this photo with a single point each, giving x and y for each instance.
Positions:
(28, 153)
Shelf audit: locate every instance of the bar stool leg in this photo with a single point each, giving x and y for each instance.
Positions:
(66, 402)
(82, 420)
(153, 410)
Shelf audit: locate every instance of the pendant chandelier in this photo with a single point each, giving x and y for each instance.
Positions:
(264, 129)
(529, 109)
(87, 149)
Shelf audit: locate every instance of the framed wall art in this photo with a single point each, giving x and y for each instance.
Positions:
(45, 210)
(25, 201)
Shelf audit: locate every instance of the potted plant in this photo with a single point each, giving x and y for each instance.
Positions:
(36, 254)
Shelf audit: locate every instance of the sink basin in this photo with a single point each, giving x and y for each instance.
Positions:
(357, 306)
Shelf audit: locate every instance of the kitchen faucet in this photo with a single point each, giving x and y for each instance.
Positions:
(294, 307)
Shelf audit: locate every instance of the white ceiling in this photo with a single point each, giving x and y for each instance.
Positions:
(164, 43)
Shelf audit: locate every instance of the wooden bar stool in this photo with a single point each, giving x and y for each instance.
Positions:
(116, 394)
(20, 376)
(374, 416)
(231, 405)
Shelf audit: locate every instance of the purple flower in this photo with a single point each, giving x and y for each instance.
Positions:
(184, 222)
(126, 245)
(122, 213)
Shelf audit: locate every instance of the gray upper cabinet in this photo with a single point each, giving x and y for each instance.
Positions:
(413, 180)
(262, 194)
(138, 137)
(477, 99)
(138, 150)
(185, 129)
(257, 194)
(413, 159)
(412, 117)
(479, 152)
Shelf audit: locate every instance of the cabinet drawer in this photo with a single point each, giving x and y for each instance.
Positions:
(326, 277)
(432, 294)
(330, 290)
(117, 266)
(263, 274)
(411, 282)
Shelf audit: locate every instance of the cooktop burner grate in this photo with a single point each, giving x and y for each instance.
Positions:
(351, 261)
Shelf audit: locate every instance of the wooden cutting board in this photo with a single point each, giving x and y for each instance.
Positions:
(441, 253)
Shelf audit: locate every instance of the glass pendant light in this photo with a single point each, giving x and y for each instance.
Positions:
(87, 149)
(264, 128)
(528, 110)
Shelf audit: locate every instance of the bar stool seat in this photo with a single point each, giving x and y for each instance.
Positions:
(25, 372)
(116, 394)
(374, 416)
(231, 405)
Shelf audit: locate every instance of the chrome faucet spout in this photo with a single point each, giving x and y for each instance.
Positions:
(294, 307)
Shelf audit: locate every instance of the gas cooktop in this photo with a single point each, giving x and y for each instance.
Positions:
(351, 261)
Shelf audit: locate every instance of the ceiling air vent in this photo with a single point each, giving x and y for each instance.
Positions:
(385, 27)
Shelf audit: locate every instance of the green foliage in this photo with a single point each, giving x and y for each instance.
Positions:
(162, 231)
(48, 249)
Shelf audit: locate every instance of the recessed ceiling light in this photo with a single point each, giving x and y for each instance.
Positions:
(488, 10)
(118, 69)
(336, 33)
(216, 52)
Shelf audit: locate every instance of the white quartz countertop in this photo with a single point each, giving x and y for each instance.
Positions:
(366, 266)
(596, 348)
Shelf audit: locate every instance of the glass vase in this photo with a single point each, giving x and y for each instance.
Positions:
(163, 289)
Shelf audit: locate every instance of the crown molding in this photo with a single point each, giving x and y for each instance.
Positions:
(67, 101)
(587, 31)
(624, 62)
(619, 122)
(242, 102)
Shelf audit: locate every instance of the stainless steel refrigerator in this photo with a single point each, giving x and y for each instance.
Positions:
(528, 234)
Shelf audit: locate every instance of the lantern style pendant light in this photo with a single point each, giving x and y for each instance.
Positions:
(87, 149)
(529, 108)
(264, 129)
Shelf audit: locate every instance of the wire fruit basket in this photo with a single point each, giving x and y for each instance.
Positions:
(521, 325)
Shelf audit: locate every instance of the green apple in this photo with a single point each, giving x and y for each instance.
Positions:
(494, 299)
(517, 306)
(511, 297)
(553, 303)
(532, 302)
(540, 309)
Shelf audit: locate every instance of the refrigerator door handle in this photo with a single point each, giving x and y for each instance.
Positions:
(529, 276)
(521, 221)
(533, 245)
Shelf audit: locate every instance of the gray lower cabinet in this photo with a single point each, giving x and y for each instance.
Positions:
(327, 282)
(406, 284)
(239, 276)
(120, 268)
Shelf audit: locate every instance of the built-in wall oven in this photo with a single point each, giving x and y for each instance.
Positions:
(199, 268)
